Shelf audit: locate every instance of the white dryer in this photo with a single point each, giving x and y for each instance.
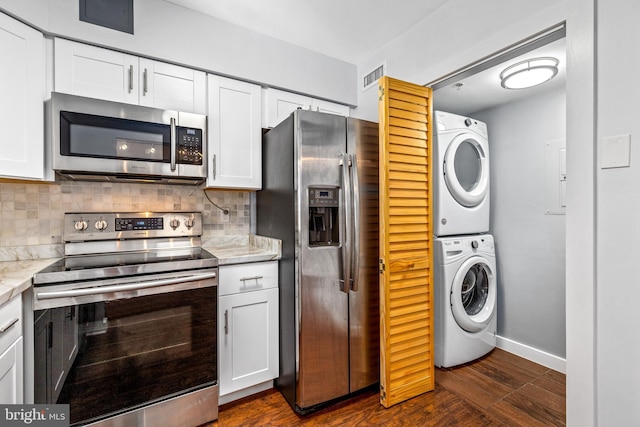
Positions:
(461, 176)
(465, 299)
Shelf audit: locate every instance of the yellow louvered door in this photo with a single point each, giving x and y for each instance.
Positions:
(406, 259)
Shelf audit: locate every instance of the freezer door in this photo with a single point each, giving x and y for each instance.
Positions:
(362, 144)
(322, 300)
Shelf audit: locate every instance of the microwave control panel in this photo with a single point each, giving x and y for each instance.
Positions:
(189, 146)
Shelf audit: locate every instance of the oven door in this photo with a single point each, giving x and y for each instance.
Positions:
(115, 351)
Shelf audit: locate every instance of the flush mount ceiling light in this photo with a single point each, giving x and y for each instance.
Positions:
(529, 73)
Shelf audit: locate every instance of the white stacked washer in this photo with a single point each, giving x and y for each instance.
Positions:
(465, 299)
(461, 176)
(465, 279)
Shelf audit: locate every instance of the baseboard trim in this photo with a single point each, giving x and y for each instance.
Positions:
(538, 356)
(230, 397)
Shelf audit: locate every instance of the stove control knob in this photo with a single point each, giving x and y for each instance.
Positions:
(174, 223)
(189, 223)
(81, 225)
(101, 225)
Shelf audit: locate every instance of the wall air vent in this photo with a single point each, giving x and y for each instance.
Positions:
(371, 79)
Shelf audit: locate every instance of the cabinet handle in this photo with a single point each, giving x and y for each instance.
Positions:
(8, 325)
(130, 78)
(144, 82)
(214, 166)
(242, 279)
(226, 322)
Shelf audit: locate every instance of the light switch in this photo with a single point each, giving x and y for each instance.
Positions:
(616, 151)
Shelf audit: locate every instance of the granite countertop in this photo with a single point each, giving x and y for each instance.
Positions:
(243, 249)
(16, 276)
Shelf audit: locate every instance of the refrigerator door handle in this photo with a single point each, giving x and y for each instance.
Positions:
(355, 221)
(346, 214)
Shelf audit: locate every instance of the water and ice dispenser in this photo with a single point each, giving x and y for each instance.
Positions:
(324, 226)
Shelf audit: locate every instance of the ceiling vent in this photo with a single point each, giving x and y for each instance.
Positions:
(371, 79)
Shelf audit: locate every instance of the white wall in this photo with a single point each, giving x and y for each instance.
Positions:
(530, 246)
(618, 220)
(581, 215)
(175, 34)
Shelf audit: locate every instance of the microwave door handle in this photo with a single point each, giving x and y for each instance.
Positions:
(172, 146)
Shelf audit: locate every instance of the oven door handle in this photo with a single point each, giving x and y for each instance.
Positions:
(126, 287)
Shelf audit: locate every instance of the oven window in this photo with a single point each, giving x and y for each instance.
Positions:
(128, 353)
(87, 135)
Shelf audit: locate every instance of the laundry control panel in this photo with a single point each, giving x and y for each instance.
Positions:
(482, 243)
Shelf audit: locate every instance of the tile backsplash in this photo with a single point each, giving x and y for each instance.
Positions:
(31, 214)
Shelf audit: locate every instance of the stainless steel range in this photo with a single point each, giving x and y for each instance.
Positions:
(125, 324)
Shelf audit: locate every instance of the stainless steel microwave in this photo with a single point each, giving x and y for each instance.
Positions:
(107, 141)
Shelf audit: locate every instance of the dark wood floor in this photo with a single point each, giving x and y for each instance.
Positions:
(500, 389)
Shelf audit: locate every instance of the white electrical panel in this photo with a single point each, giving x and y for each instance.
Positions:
(555, 178)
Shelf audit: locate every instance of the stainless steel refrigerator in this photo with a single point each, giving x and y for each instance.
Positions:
(320, 197)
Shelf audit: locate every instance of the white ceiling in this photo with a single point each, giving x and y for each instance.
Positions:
(483, 90)
(349, 30)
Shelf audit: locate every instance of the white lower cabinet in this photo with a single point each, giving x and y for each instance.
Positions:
(11, 352)
(248, 338)
(11, 374)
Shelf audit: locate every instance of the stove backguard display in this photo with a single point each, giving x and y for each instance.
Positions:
(139, 224)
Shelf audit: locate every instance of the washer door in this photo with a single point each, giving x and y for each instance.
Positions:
(473, 294)
(466, 170)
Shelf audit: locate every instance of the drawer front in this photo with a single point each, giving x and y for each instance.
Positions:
(239, 278)
(10, 322)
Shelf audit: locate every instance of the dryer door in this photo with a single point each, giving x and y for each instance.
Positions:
(473, 294)
(466, 170)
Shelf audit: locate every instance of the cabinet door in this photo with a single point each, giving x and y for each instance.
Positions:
(278, 105)
(95, 72)
(22, 78)
(11, 374)
(172, 87)
(248, 339)
(405, 183)
(235, 135)
(330, 107)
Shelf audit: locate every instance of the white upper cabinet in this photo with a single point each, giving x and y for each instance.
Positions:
(235, 134)
(90, 71)
(22, 78)
(100, 73)
(278, 105)
(172, 87)
(329, 107)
